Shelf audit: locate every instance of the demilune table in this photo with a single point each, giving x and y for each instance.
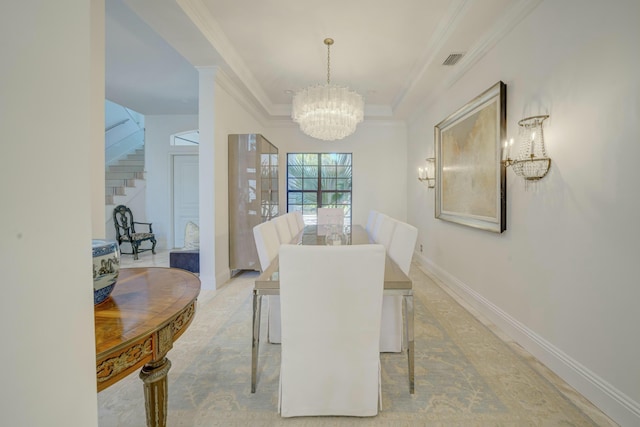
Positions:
(396, 282)
(136, 327)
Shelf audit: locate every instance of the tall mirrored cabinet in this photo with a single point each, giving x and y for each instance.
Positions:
(253, 195)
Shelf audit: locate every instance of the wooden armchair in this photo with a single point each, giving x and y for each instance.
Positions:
(126, 231)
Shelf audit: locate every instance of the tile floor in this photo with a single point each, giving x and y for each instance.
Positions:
(146, 259)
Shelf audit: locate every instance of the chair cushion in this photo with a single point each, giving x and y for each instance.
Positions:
(138, 236)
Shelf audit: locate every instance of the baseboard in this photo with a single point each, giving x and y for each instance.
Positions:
(214, 282)
(617, 405)
(207, 282)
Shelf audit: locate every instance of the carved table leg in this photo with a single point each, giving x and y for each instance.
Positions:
(154, 376)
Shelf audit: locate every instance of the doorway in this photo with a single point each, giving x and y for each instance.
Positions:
(185, 195)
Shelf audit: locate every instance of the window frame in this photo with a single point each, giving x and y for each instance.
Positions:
(321, 171)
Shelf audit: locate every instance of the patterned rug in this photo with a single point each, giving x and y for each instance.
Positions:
(465, 375)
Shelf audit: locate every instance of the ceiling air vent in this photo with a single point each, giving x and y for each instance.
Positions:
(453, 59)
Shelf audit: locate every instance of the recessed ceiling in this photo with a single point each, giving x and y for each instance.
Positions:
(390, 52)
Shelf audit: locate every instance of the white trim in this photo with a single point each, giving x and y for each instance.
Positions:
(202, 18)
(484, 44)
(617, 405)
(243, 98)
(179, 135)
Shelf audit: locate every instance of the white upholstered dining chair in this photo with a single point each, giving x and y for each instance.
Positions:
(385, 231)
(391, 327)
(330, 216)
(371, 221)
(300, 219)
(267, 244)
(293, 224)
(331, 299)
(400, 250)
(376, 226)
(282, 226)
(403, 245)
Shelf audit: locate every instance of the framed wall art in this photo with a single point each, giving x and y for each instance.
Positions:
(471, 179)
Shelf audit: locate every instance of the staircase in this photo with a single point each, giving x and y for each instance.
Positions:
(125, 183)
(123, 177)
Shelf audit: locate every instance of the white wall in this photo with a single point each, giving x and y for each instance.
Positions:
(48, 121)
(222, 111)
(379, 164)
(97, 118)
(158, 152)
(379, 159)
(206, 171)
(562, 279)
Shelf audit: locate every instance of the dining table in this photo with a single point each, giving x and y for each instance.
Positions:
(396, 282)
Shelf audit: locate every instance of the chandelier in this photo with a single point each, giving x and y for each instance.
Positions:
(328, 112)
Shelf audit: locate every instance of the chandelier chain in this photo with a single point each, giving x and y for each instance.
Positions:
(328, 61)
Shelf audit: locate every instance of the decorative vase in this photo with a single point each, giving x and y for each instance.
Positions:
(335, 237)
(106, 266)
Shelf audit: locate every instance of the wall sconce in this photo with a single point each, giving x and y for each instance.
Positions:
(532, 162)
(428, 173)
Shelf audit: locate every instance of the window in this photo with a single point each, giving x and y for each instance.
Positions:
(190, 138)
(316, 180)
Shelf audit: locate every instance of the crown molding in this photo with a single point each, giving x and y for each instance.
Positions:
(206, 23)
(441, 35)
(237, 93)
(509, 21)
(239, 80)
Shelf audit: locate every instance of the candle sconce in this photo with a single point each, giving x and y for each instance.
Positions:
(532, 162)
(428, 173)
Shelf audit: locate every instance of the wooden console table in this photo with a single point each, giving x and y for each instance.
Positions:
(136, 327)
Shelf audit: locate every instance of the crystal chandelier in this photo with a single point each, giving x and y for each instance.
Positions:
(328, 112)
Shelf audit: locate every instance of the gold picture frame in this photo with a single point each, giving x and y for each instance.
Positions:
(471, 178)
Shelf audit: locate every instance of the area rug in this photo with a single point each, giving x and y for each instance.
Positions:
(464, 374)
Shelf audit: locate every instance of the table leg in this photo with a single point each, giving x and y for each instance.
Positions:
(255, 342)
(154, 376)
(408, 303)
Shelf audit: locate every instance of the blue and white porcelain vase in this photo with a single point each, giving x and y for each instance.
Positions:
(106, 266)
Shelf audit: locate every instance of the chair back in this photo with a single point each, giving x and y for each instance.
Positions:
(371, 221)
(331, 302)
(293, 224)
(282, 227)
(330, 216)
(402, 245)
(385, 231)
(267, 242)
(376, 226)
(300, 219)
(123, 222)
